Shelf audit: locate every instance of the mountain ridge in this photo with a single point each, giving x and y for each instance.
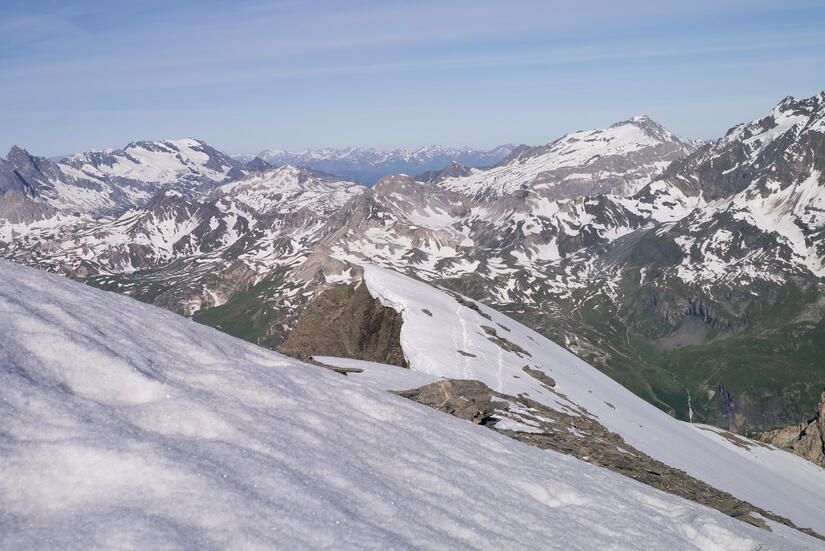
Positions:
(107, 182)
(671, 291)
(368, 165)
(620, 159)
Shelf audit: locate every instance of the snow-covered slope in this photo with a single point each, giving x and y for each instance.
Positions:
(110, 181)
(127, 426)
(450, 340)
(288, 189)
(167, 227)
(407, 224)
(620, 159)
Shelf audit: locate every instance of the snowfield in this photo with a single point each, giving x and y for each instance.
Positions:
(765, 476)
(126, 426)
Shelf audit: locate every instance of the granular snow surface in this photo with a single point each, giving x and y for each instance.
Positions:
(127, 426)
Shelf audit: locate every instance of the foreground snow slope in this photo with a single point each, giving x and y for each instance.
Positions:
(765, 476)
(123, 425)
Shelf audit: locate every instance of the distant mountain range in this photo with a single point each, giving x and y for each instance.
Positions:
(693, 273)
(367, 166)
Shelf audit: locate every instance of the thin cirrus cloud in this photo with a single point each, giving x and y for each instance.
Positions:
(139, 73)
(235, 32)
(277, 59)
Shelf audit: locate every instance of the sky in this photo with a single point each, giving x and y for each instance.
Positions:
(248, 76)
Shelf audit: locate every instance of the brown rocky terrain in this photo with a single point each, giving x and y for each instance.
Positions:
(465, 399)
(807, 439)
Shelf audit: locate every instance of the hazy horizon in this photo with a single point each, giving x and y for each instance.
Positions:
(293, 76)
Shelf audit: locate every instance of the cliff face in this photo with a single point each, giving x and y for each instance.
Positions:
(806, 439)
(345, 321)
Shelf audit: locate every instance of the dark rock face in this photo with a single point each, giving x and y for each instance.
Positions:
(26, 174)
(258, 165)
(729, 409)
(346, 321)
(806, 439)
(16, 208)
(452, 170)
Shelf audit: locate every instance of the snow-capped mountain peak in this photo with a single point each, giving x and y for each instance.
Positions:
(188, 163)
(764, 177)
(619, 159)
(790, 117)
(654, 131)
(112, 180)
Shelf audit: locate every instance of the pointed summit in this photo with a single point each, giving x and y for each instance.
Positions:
(21, 172)
(581, 163)
(452, 170)
(258, 165)
(17, 153)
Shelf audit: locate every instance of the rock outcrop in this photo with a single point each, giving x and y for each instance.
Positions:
(465, 399)
(582, 436)
(806, 439)
(345, 321)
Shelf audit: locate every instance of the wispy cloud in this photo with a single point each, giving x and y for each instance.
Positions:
(144, 55)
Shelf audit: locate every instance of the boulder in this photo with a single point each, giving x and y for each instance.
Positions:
(465, 399)
(345, 321)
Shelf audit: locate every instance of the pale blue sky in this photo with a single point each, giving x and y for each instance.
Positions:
(292, 74)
